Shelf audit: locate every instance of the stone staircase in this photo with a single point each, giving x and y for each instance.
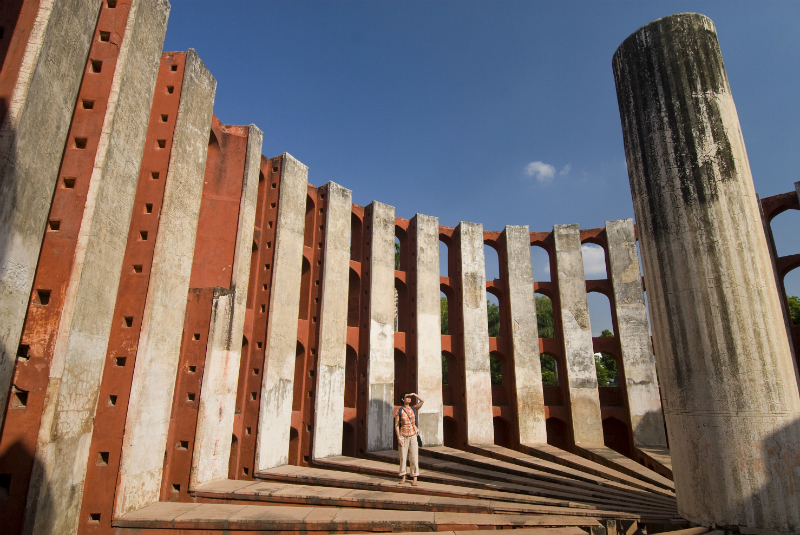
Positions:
(486, 488)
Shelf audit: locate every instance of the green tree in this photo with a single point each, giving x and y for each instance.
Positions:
(606, 366)
(397, 255)
(493, 317)
(544, 317)
(445, 371)
(496, 369)
(445, 320)
(549, 371)
(794, 309)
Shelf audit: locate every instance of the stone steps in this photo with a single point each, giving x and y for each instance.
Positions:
(455, 474)
(215, 518)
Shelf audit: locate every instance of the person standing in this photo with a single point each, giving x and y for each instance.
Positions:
(405, 427)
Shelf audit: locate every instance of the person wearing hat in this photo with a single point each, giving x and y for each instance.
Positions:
(405, 427)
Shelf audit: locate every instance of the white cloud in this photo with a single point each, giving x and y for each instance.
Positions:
(543, 172)
(594, 260)
(565, 170)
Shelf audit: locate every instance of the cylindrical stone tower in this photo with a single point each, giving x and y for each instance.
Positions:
(728, 384)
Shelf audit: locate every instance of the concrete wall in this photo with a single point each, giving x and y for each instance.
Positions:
(528, 387)
(32, 139)
(332, 345)
(379, 226)
(584, 399)
(212, 450)
(277, 388)
(424, 234)
(80, 350)
(471, 294)
(153, 384)
(728, 383)
(638, 361)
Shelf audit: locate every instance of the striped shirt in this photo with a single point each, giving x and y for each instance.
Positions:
(408, 426)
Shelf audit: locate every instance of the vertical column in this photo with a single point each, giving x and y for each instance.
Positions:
(277, 387)
(212, 447)
(153, 385)
(524, 336)
(32, 139)
(332, 346)
(424, 233)
(587, 427)
(638, 361)
(471, 294)
(57, 482)
(380, 366)
(727, 379)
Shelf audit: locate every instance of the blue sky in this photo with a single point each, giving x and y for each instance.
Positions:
(443, 107)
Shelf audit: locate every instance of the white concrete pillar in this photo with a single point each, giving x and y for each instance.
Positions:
(57, 481)
(32, 140)
(424, 234)
(152, 389)
(471, 295)
(728, 383)
(212, 445)
(332, 346)
(638, 361)
(529, 390)
(584, 399)
(277, 387)
(380, 366)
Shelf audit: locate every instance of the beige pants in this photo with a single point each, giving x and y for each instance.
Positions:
(409, 450)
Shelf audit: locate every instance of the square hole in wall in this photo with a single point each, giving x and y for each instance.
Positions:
(313, 352)
(316, 300)
(19, 398)
(94, 518)
(269, 225)
(53, 225)
(22, 352)
(311, 373)
(314, 319)
(264, 287)
(42, 297)
(170, 89)
(143, 235)
(173, 68)
(96, 65)
(266, 266)
(164, 117)
(120, 361)
(102, 458)
(274, 185)
(263, 308)
(161, 143)
(127, 321)
(190, 396)
(105, 36)
(87, 104)
(112, 4)
(137, 268)
(154, 175)
(269, 244)
(69, 182)
(259, 344)
(196, 336)
(192, 369)
(5, 484)
(80, 143)
(112, 400)
(148, 208)
(310, 394)
(183, 445)
(275, 169)
(176, 487)
(253, 396)
(245, 470)
(246, 430)
(273, 205)
(255, 371)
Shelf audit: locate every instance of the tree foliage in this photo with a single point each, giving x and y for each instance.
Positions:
(544, 317)
(606, 366)
(496, 369)
(445, 325)
(445, 371)
(396, 255)
(794, 309)
(549, 370)
(493, 317)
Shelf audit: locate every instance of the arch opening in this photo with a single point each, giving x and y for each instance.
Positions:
(350, 377)
(594, 261)
(544, 316)
(450, 432)
(549, 369)
(305, 289)
(444, 317)
(540, 260)
(353, 298)
(308, 236)
(502, 432)
(784, 228)
(444, 259)
(491, 260)
(348, 440)
(616, 436)
(557, 433)
(493, 314)
(601, 316)
(356, 230)
(299, 372)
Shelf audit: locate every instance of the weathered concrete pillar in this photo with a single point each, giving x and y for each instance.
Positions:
(524, 336)
(150, 404)
(638, 361)
(424, 234)
(332, 346)
(471, 294)
(212, 446)
(32, 139)
(727, 380)
(58, 478)
(380, 367)
(584, 399)
(277, 387)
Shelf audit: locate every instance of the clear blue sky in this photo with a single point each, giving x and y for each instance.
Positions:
(439, 107)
